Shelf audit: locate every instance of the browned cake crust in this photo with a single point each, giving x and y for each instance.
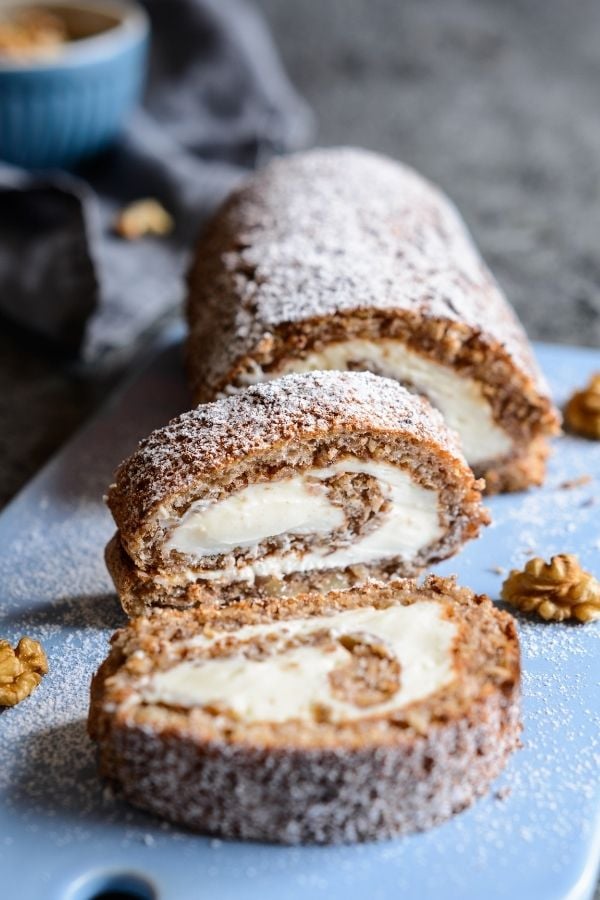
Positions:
(269, 432)
(311, 780)
(342, 243)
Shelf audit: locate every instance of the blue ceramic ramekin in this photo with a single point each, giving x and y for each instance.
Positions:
(54, 113)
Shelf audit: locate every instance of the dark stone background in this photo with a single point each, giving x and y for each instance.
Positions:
(497, 100)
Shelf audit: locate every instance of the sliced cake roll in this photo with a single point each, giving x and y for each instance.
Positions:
(310, 482)
(342, 259)
(351, 716)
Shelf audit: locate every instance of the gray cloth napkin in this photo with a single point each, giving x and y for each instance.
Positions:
(218, 103)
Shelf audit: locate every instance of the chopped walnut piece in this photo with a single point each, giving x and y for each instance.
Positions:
(321, 712)
(418, 719)
(21, 670)
(557, 590)
(582, 412)
(143, 217)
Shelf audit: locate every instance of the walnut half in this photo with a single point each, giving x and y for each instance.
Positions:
(143, 217)
(21, 670)
(582, 412)
(556, 591)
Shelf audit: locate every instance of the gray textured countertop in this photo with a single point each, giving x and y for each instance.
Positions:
(497, 101)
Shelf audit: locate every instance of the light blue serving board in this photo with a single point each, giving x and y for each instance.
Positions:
(63, 834)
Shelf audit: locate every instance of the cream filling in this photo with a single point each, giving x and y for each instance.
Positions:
(299, 505)
(256, 512)
(289, 684)
(460, 400)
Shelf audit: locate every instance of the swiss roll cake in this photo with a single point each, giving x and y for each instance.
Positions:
(343, 259)
(350, 716)
(314, 481)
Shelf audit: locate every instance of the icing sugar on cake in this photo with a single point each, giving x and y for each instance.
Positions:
(348, 229)
(234, 427)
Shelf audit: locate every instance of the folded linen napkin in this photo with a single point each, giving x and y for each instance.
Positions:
(217, 104)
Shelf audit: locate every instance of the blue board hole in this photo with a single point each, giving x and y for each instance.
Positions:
(113, 886)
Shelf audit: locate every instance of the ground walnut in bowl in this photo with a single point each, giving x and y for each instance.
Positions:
(32, 33)
(70, 74)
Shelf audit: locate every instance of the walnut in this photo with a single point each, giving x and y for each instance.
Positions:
(32, 33)
(418, 719)
(321, 712)
(143, 217)
(21, 670)
(582, 412)
(556, 590)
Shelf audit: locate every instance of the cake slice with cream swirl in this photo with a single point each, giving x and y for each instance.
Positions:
(314, 481)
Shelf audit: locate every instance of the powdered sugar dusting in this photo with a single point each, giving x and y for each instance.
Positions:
(295, 407)
(336, 231)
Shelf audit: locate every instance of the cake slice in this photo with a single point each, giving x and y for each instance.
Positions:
(310, 482)
(343, 259)
(351, 716)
